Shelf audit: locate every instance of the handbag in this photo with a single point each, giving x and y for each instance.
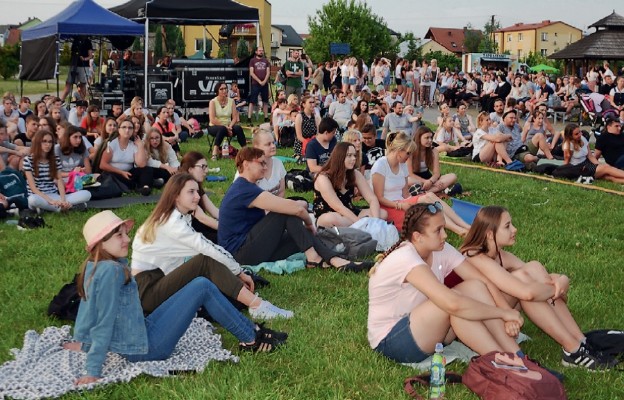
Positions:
(384, 233)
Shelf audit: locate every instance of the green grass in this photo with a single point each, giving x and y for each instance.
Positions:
(34, 87)
(571, 230)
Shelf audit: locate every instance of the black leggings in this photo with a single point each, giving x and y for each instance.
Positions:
(277, 236)
(220, 132)
(140, 177)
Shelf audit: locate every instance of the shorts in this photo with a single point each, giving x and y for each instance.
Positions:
(399, 344)
(533, 149)
(522, 152)
(345, 80)
(77, 75)
(256, 90)
(397, 81)
(352, 81)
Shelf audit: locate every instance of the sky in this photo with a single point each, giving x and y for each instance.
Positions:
(401, 15)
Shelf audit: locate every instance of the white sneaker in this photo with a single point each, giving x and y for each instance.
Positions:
(266, 311)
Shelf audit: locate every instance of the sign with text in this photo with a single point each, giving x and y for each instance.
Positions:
(199, 84)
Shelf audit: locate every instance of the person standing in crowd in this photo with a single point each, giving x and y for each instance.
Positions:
(294, 72)
(259, 74)
(81, 53)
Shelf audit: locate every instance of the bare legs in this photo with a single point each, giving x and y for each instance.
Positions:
(609, 173)
(539, 140)
(494, 151)
(430, 325)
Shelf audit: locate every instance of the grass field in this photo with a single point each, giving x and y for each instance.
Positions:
(571, 230)
(35, 87)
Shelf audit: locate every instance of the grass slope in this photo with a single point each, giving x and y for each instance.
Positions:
(571, 230)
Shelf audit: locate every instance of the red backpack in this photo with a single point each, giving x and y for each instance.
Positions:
(492, 377)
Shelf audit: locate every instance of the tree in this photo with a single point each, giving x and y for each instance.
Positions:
(472, 39)
(168, 41)
(347, 21)
(445, 60)
(9, 61)
(413, 46)
(488, 44)
(242, 49)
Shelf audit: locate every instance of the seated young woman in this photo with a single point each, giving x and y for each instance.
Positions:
(205, 218)
(334, 189)
(126, 159)
(542, 296)
(110, 317)
(72, 152)
(489, 147)
(579, 160)
(448, 138)
(534, 135)
(424, 164)
(257, 226)
(160, 155)
(410, 308)
(274, 180)
(46, 189)
(167, 253)
(389, 179)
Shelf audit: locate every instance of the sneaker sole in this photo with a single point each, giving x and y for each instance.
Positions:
(569, 364)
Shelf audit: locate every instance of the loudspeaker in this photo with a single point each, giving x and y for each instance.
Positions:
(226, 30)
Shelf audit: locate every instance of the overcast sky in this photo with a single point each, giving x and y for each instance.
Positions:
(401, 15)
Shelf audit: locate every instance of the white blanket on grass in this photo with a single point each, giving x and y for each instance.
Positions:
(43, 369)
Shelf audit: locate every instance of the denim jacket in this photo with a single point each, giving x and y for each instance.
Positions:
(111, 317)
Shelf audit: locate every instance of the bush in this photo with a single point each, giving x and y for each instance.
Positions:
(9, 61)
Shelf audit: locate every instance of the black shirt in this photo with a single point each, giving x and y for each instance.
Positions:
(611, 146)
(372, 154)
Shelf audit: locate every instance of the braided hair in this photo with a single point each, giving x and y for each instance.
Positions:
(416, 219)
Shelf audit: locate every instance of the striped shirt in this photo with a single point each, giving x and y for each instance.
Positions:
(44, 182)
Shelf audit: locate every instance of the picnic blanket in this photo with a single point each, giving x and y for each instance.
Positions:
(293, 263)
(43, 369)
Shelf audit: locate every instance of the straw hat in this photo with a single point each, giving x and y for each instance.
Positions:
(100, 225)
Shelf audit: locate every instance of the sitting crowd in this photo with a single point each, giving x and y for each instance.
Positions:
(188, 253)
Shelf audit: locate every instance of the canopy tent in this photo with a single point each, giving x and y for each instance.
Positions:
(81, 18)
(544, 68)
(188, 12)
(185, 12)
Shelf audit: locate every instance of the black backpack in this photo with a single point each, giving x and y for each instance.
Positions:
(287, 136)
(299, 180)
(65, 304)
(608, 341)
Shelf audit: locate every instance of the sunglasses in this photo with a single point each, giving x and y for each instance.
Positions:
(202, 166)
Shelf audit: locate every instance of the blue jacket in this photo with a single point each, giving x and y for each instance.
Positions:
(111, 317)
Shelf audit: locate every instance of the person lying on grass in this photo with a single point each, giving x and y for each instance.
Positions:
(334, 189)
(257, 226)
(410, 308)
(389, 178)
(167, 254)
(110, 317)
(542, 296)
(424, 164)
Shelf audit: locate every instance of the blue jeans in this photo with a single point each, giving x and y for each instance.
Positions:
(166, 325)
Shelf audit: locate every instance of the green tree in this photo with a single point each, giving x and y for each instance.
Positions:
(488, 44)
(9, 61)
(347, 21)
(472, 39)
(413, 46)
(242, 49)
(168, 40)
(445, 60)
(65, 58)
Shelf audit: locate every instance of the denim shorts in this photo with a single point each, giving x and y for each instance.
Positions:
(399, 345)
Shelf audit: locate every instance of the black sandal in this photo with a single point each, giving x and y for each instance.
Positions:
(355, 267)
(262, 344)
(279, 337)
(317, 264)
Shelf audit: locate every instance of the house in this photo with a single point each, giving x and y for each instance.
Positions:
(446, 40)
(200, 38)
(284, 39)
(12, 34)
(543, 38)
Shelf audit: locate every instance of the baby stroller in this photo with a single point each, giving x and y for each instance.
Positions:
(596, 109)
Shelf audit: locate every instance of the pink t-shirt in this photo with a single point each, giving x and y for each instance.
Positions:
(391, 297)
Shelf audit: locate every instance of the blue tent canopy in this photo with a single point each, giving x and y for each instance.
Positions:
(84, 17)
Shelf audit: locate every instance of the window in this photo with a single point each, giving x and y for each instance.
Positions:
(520, 37)
(544, 52)
(509, 37)
(544, 36)
(520, 53)
(453, 44)
(199, 45)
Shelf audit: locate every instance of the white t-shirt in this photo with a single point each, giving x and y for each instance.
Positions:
(122, 159)
(393, 183)
(390, 297)
(272, 183)
(578, 156)
(477, 142)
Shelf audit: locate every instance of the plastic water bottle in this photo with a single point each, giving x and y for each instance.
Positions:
(225, 150)
(437, 383)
